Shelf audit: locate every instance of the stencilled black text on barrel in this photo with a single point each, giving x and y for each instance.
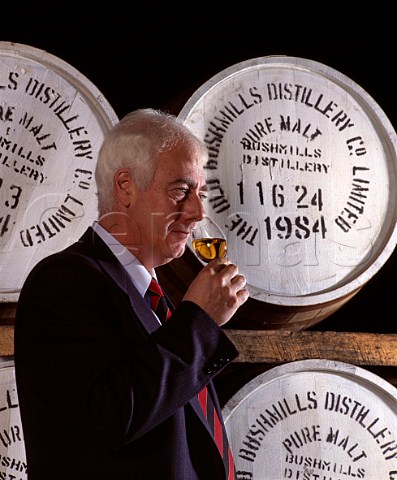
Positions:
(297, 173)
(315, 426)
(13, 464)
(49, 139)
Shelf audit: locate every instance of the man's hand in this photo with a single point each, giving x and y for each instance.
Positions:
(219, 290)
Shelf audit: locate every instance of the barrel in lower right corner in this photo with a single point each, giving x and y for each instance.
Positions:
(314, 419)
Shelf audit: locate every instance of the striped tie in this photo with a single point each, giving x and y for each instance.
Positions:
(217, 431)
(159, 305)
(157, 301)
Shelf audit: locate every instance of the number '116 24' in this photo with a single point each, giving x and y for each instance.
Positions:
(303, 198)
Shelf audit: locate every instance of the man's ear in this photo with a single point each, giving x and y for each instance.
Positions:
(124, 187)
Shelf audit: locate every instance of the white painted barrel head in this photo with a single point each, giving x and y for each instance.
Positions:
(314, 419)
(301, 176)
(12, 446)
(52, 122)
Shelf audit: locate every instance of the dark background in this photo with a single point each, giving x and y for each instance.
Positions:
(157, 54)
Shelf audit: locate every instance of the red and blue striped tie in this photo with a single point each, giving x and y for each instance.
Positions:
(157, 301)
(218, 432)
(159, 306)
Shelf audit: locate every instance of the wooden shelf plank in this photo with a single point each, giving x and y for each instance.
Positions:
(6, 340)
(273, 346)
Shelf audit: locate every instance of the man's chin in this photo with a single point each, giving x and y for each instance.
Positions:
(178, 250)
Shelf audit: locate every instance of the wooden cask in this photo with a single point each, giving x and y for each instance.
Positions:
(12, 446)
(52, 122)
(302, 179)
(314, 419)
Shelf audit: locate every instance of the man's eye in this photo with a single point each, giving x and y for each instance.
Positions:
(181, 192)
(203, 196)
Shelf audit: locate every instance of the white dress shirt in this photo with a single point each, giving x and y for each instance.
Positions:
(138, 273)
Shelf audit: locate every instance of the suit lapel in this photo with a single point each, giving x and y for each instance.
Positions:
(116, 271)
(109, 263)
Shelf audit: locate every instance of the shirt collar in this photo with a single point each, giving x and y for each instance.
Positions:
(139, 275)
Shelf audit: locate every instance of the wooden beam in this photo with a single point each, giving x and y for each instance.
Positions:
(6, 340)
(273, 346)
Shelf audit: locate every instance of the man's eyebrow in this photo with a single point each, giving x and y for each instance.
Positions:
(189, 182)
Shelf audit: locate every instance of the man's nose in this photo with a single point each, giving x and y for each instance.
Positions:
(195, 208)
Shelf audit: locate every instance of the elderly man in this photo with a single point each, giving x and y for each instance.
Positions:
(110, 385)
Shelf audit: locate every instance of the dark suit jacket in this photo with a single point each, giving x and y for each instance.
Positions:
(104, 393)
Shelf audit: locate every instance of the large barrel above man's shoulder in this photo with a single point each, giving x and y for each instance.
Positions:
(302, 179)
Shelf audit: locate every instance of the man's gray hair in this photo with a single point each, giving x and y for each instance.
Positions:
(135, 143)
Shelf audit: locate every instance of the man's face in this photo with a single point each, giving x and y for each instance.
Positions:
(167, 211)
